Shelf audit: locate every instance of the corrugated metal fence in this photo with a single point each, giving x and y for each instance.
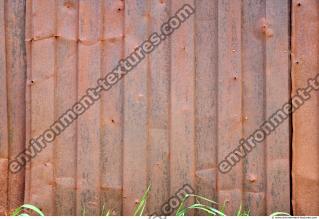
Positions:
(170, 121)
(12, 100)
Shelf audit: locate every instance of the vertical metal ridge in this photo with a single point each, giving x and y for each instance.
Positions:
(206, 64)
(277, 62)
(66, 96)
(54, 151)
(242, 75)
(28, 36)
(218, 174)
(89, 141)
(102, 25)
(194, 160)
(135, 108)
(253, 101)
(148, 100)
(305, 65)
(265, 113)
(102, 74)
(4, 142)
(122, 108)
(77, 207)
(170, 192)
(229, 100)
(111, 106)
(15, 68)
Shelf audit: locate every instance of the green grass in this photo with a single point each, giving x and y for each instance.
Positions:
(242, 212)
(27, 210)
(104, 212)
(139, 209)
(182, 210)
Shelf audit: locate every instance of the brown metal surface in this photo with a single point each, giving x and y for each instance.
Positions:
(172, 118)
(168, 122)
(12, 100)
(305, 65)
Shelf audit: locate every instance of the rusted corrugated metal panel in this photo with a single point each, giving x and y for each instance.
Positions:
(135, 108)
(4, 117)
(112, 109)
(172, 119)
(229, 100)
(12, 97)
(254, 104)
(182, 102)
(305, 65)
(206, 22)
(66, 95)
(52, 88)
(159, 111)
(277, 86)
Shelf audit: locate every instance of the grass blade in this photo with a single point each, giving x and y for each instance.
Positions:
(108, 213)
(279, 214)
(219, 213)
(182, 210)
(202, 198)
(27, 207)
(139, 210)
(197, 198)
(203, 209)
(239, 211)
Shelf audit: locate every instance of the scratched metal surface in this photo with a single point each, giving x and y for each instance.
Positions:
(305, 65)
(171, 120)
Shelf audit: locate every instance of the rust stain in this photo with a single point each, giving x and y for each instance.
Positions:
(172, 119)
(305, 160)
(12, 98)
